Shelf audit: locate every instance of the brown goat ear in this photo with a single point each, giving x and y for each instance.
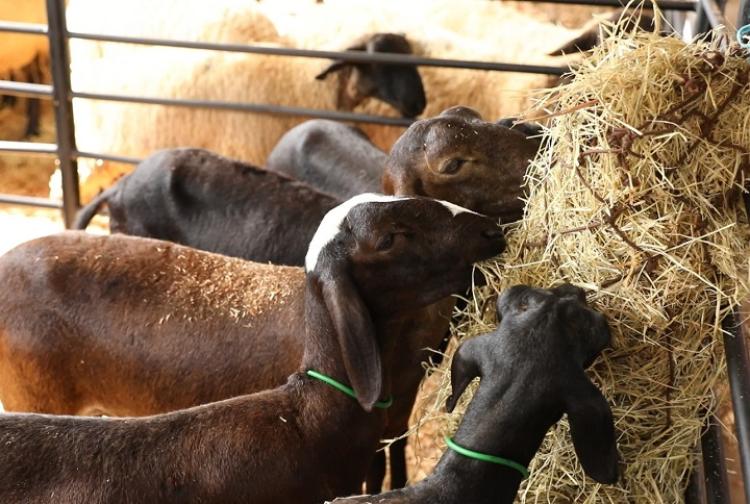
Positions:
(464, 368)
(356, 336)
(592, 429)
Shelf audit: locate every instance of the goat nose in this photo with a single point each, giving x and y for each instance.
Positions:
(493, 234)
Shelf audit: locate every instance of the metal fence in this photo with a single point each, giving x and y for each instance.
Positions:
(709, 481)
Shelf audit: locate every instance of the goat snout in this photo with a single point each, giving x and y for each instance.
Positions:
(495, 237)
(493, 234)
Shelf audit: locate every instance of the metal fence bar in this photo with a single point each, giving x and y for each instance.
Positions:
(684, 5)
(28, 147)
(696, 490)
(26, 89)
(30, 28)
(709, 15)
(738, 369)
(14, 199)
(63, 103)
(250, 107)
(714, 13)
(352, 56)
(714, 465)
(107, 157)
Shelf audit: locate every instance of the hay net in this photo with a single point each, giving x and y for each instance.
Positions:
(638, 199)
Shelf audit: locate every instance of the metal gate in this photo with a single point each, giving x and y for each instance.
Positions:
(709, 482)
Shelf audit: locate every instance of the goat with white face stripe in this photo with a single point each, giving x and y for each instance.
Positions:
(374, 229)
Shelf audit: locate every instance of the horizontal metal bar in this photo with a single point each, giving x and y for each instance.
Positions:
(681, 5)
(30, 28)
(28, 147)
(14, 199)
(353, 56)
(250, 107)
(107, 157)
(26, 89)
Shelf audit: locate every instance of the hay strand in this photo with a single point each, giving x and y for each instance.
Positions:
(638, 200)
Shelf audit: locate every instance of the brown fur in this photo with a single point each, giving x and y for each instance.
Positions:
(118, 314)
(94, 311)
(459, 157)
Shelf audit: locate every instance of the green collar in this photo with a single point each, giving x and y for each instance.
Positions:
(343, 388)
(486, 458)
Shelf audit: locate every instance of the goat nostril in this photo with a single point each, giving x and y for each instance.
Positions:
(493, 234)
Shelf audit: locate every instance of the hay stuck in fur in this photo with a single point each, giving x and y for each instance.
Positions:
(638, 200)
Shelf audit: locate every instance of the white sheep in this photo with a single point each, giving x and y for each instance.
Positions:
(137, 130)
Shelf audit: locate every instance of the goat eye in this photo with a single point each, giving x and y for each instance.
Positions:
(452, 166)
(385, 242)
(523, 306)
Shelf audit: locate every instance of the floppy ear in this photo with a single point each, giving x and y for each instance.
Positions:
(356, 335)
(337, 65)
(464, 368)
(592, 429)
(583, 42)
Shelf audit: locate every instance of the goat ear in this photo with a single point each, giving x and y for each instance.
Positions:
(583, 42)
(332, 68)
(464, 368)
(592, 429)
(337, 65)
(356, 336)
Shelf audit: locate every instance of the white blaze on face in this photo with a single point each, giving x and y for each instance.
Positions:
(330, 226)
(455, 209)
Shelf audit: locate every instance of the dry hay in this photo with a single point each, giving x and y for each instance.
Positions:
(638, 200)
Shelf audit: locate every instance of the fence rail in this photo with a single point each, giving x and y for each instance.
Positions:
(707, 486)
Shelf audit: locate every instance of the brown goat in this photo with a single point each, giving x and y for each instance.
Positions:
(459, 157)
(207, 201)
(456, 156)
(374, 263)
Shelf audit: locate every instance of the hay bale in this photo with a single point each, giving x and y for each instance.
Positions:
(638, 199)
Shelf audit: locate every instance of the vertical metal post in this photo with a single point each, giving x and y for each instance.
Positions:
(696, 490)
(714, 465)
(738, 369)
(744, 13)
(701, 23)
(63, 103)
